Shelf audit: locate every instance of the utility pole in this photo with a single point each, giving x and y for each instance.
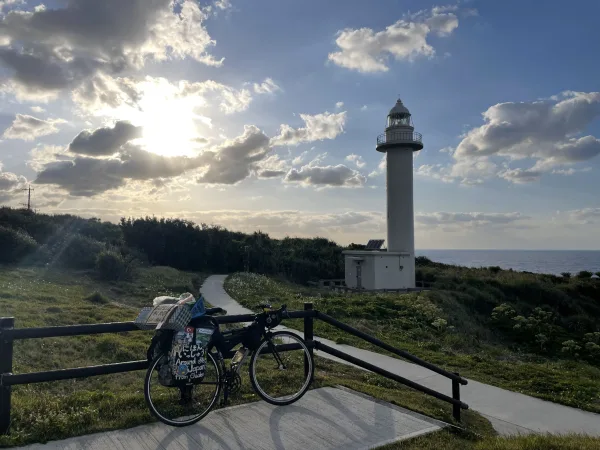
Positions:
(28, 198)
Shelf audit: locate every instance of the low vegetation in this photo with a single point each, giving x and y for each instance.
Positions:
(50, 411)
(463, 325)
(115, 249)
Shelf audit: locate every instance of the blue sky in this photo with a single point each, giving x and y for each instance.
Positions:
(264, 115)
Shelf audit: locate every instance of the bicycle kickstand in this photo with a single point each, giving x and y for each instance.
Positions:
(225, 394)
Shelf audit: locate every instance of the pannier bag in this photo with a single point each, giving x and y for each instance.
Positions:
(187, 358)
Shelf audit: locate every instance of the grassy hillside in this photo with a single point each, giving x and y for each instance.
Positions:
(452, 326)
(49, 411)
(39, 297)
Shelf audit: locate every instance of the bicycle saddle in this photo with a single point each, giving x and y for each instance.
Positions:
(216, 310)
(264, 306)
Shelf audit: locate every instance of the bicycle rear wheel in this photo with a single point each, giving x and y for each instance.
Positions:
(184, 406)
(277, 370)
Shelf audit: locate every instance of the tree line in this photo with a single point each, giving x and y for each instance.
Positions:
(72, 241)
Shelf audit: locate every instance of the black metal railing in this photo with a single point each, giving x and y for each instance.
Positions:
(392, 137)
(8, 334)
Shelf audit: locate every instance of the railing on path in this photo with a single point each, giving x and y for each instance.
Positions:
(8, 334)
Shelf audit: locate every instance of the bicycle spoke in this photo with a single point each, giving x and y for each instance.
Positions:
(181, 405)
(277, 370)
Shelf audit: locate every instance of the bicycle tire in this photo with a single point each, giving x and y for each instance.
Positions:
(309, 377)
(147, 393)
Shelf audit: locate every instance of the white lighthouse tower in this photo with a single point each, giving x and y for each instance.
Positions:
(394, 268)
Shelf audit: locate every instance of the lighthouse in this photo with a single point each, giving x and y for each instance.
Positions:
(394, 269)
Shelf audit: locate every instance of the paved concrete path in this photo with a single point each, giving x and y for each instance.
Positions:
(325, 418)
(509, 412)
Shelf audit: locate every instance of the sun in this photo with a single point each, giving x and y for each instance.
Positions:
(169, 128)
(169, 121)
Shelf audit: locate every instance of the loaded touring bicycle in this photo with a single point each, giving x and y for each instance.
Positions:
(187, 371)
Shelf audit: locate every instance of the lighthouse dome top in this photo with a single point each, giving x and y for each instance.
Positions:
(399, 116)
(399, 109)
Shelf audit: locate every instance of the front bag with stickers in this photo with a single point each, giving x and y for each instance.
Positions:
(187, 363)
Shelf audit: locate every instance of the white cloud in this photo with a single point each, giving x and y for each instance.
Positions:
(104, 95)
(273, 167)
(104, 141)
(544, 131)
(584, 216)
(266, 87)
(326, 176)
(366, 50)
(356, 159)
(10, 185)
(228, 163)
(293, 222)
(381, 167)
(37, 109)
(235, 159)
(339, 105)
(317, 127)
(436, 171)
(223, 4)
(570, 171)
(520, 176)
(300, 158)
(541, 136)
(28, 128)
(59, 48)
(460, 220)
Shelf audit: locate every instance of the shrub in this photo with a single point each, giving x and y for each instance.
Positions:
(15, 245)
(571, 348)
(423, 261)
(97, 298)
(495, 269)
(584, 274)
(566, 274)
(112, 266)
(74, 251)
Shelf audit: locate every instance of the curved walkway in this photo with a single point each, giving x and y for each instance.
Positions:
(509, 412)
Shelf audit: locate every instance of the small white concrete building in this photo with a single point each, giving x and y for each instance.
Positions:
(394, 268)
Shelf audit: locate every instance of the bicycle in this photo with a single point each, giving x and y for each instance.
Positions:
(272, 353)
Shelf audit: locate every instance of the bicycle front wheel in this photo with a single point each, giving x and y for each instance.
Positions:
(181, 406)
(281, 368)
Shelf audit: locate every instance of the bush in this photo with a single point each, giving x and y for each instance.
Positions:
(423, 261)
(97, 298)
(112, 266)
(15, 245)
(566, 274)
(584, 274)
(73, 251)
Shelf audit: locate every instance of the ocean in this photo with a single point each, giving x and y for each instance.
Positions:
(538, 261)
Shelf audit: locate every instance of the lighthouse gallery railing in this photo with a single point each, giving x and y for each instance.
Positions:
(399, 136)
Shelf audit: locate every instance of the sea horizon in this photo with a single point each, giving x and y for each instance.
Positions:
(546, 261)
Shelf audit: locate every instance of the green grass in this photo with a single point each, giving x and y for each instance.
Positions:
(407, 322)
(57, 410)
(39, 297)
